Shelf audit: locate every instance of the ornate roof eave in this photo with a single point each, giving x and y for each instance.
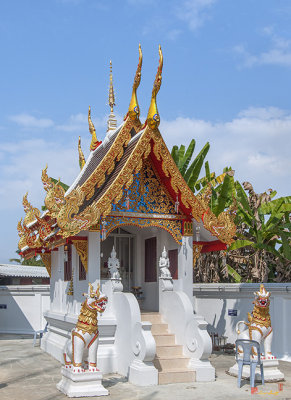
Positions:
(151, 141)
(107, 164)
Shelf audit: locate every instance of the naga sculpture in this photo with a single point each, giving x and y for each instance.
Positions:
(259, 326)
(82, 347)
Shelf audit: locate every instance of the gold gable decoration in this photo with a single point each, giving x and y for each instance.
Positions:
(31, 212)
(153, 117)
(81, 246)
(47, 260)
(174, 227)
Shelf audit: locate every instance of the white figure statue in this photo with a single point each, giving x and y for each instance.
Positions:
(259, 326)
(113, 265)
(83, 345)
(164, 265)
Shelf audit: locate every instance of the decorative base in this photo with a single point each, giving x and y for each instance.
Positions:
(83, 384)
(142, 373)
(271, 371)
(204, 370)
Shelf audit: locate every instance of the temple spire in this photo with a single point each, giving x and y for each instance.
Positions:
(153, 118)
(133, 109)
(112, 122)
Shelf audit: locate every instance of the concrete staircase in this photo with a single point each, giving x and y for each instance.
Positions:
(169, 360)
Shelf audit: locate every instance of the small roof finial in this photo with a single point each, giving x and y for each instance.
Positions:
(153, 118)
(112, 122)
(82, 160)
(94, 141)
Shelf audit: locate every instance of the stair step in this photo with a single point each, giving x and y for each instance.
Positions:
(154, 318)
(159, 329)
(171, 363)
(176, 376)
(166, 339)
(169, 351)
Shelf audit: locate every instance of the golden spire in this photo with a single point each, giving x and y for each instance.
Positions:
(94, 142)
(111, 98)
(82, 160)
(153, 118)
(133, 109)
(112, 122)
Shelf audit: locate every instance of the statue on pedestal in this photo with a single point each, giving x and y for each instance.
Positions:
(259, 326)
(113, 265)
(80, 376)
(164, 265)
(84, 341)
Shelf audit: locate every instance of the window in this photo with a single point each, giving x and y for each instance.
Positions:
(173, 258)
(82, 271)
(68, 262)
(151, 260)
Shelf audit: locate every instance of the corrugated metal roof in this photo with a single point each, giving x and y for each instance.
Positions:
(23, 270)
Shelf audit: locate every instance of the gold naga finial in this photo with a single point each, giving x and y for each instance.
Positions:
(153, 118)
(133, 109)
(111, 97)
(82, 160)
(30, 211)
(94, 142)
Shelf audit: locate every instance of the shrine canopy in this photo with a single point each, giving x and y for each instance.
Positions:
(128, 179)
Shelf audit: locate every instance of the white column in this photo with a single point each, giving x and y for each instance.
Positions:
(94, 258)
(185, 265)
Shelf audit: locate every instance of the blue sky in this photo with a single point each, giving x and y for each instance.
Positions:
(226, 80)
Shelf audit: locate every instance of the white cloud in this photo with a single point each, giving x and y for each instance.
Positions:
(29, 121)
(278, 53)
(256, 144)
(194, 12)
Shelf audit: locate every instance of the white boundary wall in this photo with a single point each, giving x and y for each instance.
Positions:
(25, 307)
(213, 301)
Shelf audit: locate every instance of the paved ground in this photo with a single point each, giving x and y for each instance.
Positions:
(27, 373)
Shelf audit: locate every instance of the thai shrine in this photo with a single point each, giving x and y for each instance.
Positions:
(130, 223)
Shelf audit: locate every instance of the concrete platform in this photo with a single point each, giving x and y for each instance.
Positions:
(27, 373)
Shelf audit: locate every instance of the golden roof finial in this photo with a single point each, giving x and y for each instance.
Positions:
(153, 118)
(133, 109)
(111, 97)
(82, 160)
(94, 142)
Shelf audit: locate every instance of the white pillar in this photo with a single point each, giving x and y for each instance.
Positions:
(185, 265)
(94, 258)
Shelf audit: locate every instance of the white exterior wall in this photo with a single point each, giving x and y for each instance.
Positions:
(214, 300)
(25, 307)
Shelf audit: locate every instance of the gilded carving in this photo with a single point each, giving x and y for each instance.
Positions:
(153, 118)
(196, 252)
(133, 110)
(47, 260)
(82, 250)
(31, 212)
(174, 227)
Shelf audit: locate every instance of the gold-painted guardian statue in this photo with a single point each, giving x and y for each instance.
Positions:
(81, 349)
(259, 326)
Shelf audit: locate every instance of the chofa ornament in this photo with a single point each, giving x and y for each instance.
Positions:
(259, 326)
(81, 349)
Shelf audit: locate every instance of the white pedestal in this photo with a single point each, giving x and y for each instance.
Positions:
(271, 371)
(82, 384)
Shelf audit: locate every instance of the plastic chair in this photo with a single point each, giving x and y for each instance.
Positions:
(247, 359)
(40, 333)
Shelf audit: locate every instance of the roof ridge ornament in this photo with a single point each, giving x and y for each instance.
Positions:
(133, 109)
(112, 122)
(153, 118)
(94, 142)
(82, 160)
